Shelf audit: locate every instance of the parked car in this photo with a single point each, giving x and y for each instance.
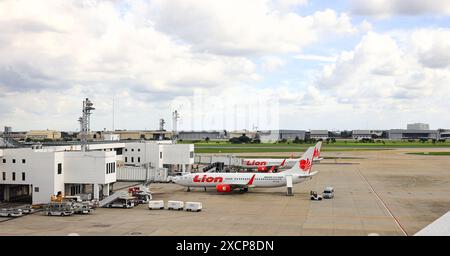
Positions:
(328, 192)
(193, 206)
(11, 212)
(155, 204)
(315, 196)
(175, 205)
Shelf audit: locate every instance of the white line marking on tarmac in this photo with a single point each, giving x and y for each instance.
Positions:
(383, 203)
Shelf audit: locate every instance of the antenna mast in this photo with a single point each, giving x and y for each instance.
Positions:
(85, 123)
(175, 117)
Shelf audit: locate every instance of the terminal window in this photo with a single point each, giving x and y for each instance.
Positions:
(4, 175)
(139, 159)
(23, 176)
(23, 161)
(59, 168)
(4, 161)
(13, 176)
(126, 159)
(14, 161)
(36, 189)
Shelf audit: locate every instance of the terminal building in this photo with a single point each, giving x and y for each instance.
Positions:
(319, 134)
(400, 134)
(361, 134)
(276, 135)
(43, 135)
(202, 135)
(34, 174)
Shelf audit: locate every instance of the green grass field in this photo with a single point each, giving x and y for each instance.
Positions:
(340, 145)
(430, 153)
(274, 149)
(298, 155)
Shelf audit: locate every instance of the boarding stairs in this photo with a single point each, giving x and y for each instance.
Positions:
(112, 198)
(218, 165)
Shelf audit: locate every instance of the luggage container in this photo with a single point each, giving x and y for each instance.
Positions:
(193, 206)
(155, 204)
(175, 205)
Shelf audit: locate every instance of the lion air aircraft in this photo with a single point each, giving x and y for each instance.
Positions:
(227, 182)
(269, 164)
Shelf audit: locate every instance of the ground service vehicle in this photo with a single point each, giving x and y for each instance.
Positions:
(328, 192)
(122, 203)
(193, 206)
(10, 212)
(315, 196)
(26, 209)
(155, 204)
(58, 209)
(82, 208)
(175, 205)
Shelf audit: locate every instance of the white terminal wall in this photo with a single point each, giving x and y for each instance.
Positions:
(41, 169)
(178, 154)
(158, 153)
(89, 167)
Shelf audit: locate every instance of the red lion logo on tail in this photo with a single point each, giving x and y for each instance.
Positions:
(316, 152)
(305, 164)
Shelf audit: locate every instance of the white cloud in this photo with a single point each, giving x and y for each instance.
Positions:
(272, 63)
(49, 49)
(312, 57)
(381, 76)
(385, 8)
(248, 27)
(432, 47)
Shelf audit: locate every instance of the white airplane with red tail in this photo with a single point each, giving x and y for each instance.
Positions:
(227, 182)
(270, 164)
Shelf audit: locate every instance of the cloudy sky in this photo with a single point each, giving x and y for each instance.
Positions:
(293, 64)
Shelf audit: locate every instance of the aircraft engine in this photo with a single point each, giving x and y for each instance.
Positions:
(223, 188)
(262, 168)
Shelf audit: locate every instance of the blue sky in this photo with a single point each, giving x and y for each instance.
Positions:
(297, 64)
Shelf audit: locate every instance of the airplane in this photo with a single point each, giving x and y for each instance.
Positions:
(270, 164)
(227, 182)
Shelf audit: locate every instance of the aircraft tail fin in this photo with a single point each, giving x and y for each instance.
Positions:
(304, 164)
(317, 148)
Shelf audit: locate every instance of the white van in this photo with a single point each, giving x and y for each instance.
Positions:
(175, 205)
(155, 204)
(328, 192)
(193, 206)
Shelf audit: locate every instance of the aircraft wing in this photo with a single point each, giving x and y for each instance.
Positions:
(243, 183)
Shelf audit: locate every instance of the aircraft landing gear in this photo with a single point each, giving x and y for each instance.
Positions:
(243, 190)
